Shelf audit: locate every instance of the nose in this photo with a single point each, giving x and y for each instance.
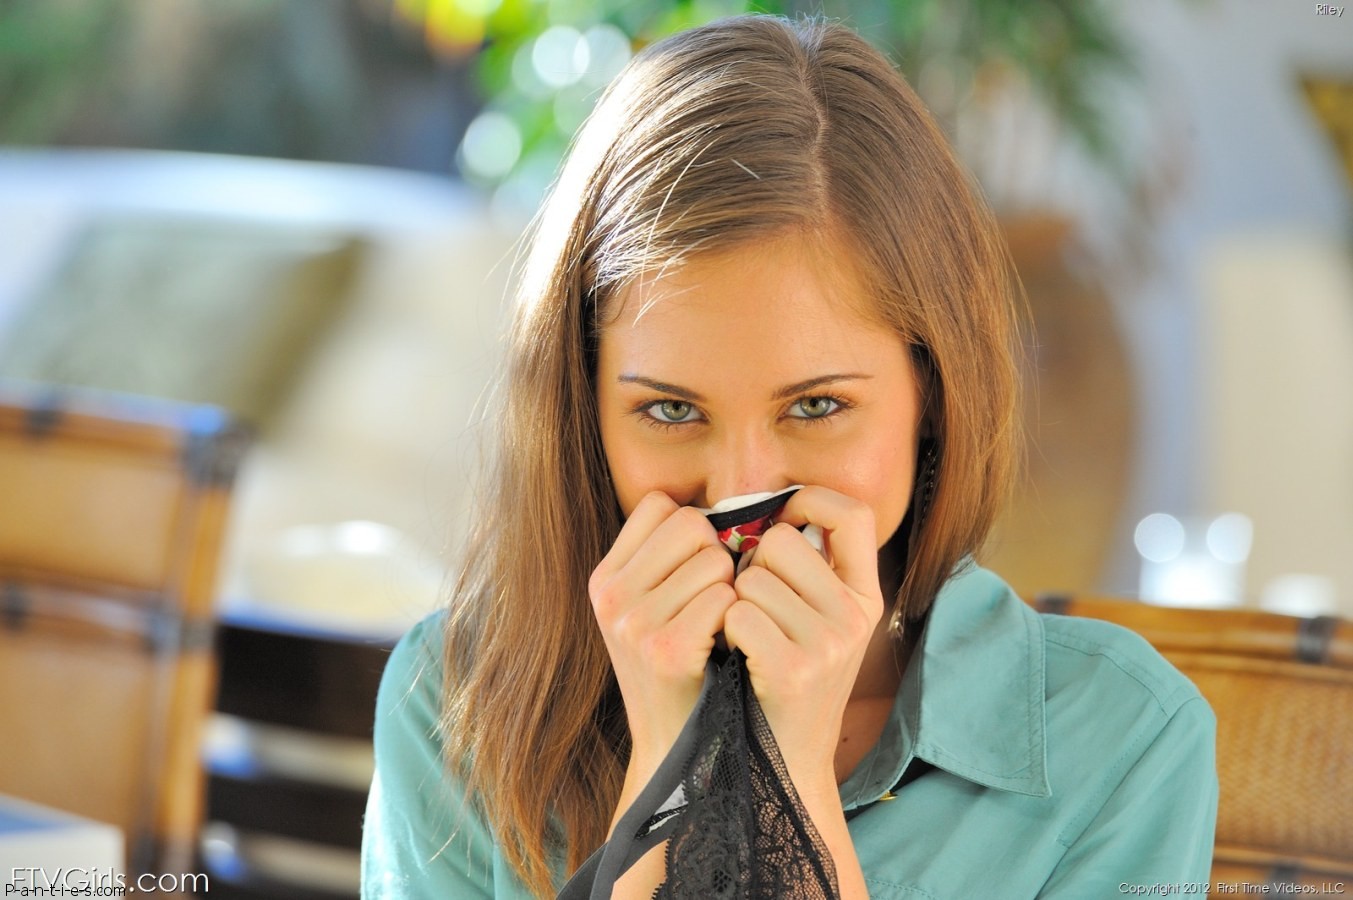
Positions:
(745, 462)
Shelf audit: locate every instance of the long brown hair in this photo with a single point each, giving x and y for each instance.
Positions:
(719, 135)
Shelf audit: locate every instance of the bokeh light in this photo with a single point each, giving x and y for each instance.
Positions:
(1229, 537)
(1159, 537)
(560, 56)
(491, 147)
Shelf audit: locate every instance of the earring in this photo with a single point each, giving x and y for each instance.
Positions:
(925, 480)
(922, 496)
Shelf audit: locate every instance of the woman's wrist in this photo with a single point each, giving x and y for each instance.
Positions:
(639, 771)
(830, 821)
(821, 800)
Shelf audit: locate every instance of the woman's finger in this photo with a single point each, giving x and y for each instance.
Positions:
(848, 531)
(664, 549)
(682, 535)
(698, 621)
(651, 511)
(710, 566)
(798, 620)
(789, 555)
(748, 628)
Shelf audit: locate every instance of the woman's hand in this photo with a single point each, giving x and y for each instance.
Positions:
(660, 596)
(667, 587)
(804, 622)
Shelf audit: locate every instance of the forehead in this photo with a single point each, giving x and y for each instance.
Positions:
(785, 305)
(817, 259)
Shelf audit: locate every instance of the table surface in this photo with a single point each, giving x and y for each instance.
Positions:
(36, 841)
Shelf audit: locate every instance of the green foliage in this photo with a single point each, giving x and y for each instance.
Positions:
(284, 77)
(48, 46)
(1065, 51)
(289, 78)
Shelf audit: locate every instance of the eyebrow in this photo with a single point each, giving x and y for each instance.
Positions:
(782, 393)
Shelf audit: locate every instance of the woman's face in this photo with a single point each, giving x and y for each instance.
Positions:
(752, 370)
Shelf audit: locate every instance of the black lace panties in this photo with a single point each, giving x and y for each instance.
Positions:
(722, 799)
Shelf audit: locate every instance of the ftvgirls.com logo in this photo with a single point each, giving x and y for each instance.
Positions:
(36, 881)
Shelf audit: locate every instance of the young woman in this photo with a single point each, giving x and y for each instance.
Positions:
(763, 267)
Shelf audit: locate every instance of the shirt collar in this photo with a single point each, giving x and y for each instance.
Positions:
(972, 697)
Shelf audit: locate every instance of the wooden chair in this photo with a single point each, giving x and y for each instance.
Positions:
(1282, 690)
(286, 797)
(111, 517)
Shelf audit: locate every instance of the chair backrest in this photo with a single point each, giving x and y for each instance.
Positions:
(1282, 690)
(289, 761)
(112, 511)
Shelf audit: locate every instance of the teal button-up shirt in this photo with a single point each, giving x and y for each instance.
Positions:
(1066, 759)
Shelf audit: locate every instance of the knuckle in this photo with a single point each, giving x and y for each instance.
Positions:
(628, 631)
(863, 624)
(724, 594)
(739, 613)
(692, 518)
(659, 500)
(596, 583)
(718, 561)
(776, 537)
(832, 652)
(844, 597)
(858, 630)
(603, 595)
(719, 594)
(750, 577)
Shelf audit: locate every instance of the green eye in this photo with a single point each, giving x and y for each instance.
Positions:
(814, 407)
(672, 411)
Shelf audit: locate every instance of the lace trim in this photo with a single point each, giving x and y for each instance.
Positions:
(743, 834)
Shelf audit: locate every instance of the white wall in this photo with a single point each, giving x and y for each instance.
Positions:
(1262, 201)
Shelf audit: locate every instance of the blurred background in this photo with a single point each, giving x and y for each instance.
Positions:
(307, 212)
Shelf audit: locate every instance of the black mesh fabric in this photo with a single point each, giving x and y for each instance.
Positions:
(744, 834)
